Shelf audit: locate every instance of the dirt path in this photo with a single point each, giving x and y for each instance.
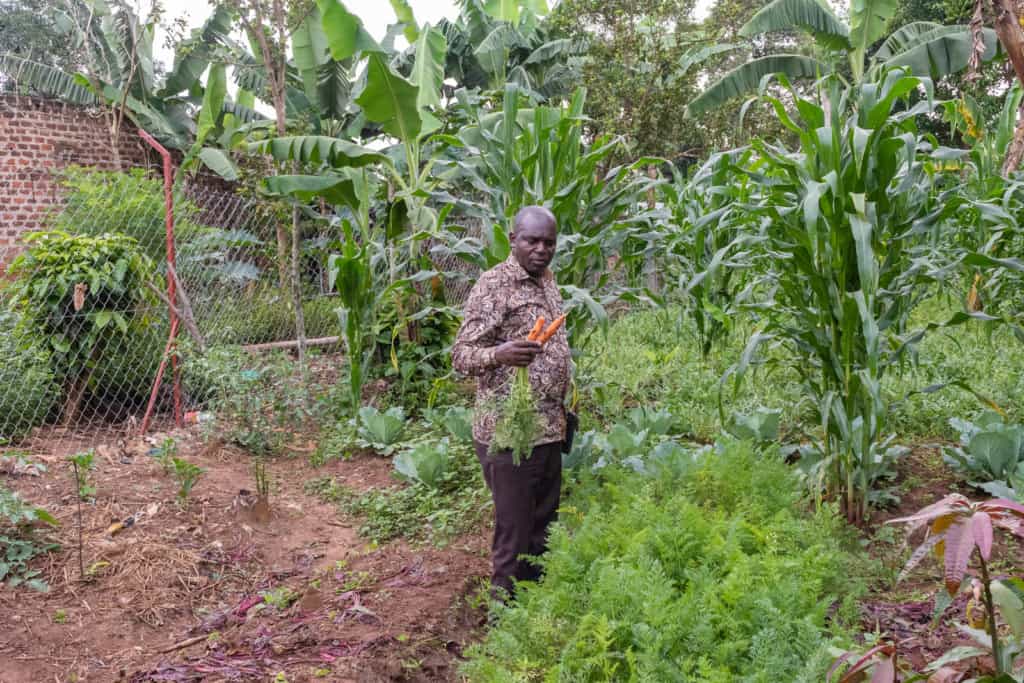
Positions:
(210, 593)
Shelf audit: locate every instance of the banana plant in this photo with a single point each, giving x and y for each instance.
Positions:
(494, 43)
(925, 48)
(118, 68)
(402, 107)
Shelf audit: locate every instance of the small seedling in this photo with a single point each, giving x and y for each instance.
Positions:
(165, 454)
(259, 473)
(280, 598)
(187, 475)
(82, 463)
(60, 617)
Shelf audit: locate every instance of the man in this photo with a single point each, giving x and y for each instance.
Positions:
(502, 308)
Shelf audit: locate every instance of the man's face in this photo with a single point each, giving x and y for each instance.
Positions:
(533, 244)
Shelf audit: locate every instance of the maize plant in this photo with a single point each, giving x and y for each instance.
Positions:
(845, 260)
(708, 251)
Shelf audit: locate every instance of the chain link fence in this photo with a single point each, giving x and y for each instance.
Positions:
(85, 314)
(84, 309)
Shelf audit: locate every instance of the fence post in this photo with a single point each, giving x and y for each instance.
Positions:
(171, 291)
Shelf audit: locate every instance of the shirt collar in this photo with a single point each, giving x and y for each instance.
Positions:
(519, 273)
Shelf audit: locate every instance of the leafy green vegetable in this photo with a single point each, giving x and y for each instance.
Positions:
(989, 451)
(760, 426)
(426, 463)
(381, 430)
(457, 420)
(18, 543)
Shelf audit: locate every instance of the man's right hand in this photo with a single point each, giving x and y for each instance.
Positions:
(518, 354)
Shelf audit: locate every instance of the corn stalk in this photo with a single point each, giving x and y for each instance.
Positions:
(846, 258)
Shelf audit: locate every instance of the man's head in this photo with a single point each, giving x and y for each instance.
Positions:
(534, 235)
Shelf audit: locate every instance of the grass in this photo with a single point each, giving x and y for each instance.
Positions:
(415, 512)
(655, 360)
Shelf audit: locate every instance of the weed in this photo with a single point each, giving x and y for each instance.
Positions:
(336, 441)
(60, 617)
(437, 514)
(355, 581)
(280, 598)
(186, 474)
(83, 463)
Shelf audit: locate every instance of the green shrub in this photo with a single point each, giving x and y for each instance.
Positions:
(707, 572)
(85, 298)
(130, 203)
(125, 372)
(29, 392)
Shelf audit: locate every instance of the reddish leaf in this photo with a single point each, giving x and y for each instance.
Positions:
(954, 502)
(918, 555)
(981, 526)
(885, 672)
(959, 546)
(885, 649)
(836, 664)
(1004, 505)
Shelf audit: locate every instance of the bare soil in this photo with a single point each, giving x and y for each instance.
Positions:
(216, 591)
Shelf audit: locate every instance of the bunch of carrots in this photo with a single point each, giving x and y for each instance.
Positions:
(541, 335)
(519, 426)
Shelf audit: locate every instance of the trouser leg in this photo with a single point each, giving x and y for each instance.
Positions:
(525, 503)
(547, 491)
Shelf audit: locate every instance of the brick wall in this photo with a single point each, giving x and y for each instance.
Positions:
(40, 136)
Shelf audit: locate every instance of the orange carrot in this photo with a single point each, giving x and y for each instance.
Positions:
(543, 337)
(537, 327)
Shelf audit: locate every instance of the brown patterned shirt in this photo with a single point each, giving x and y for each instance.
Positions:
(504, 305)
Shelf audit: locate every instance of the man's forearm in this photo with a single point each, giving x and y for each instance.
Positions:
(470, 359)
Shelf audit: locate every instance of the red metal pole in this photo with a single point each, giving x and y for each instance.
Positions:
(159, 378)
(171, 289)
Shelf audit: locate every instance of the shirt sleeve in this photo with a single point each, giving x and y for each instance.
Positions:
(477, 339)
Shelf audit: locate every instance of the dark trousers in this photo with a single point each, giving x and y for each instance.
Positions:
(525, 504)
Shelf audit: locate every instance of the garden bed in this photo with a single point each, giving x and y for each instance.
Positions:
(210, 593)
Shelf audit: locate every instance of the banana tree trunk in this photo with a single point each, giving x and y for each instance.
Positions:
(1011, 36)
(1015, 152)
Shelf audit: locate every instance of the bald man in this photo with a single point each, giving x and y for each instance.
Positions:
(501, 310)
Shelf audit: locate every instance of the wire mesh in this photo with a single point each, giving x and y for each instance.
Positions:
(231, 293)
(80, 354)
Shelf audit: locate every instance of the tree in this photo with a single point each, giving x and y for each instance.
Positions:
(29, 29)
(1005, 15)
(632, 70)
(928, 49)
(487, 50)
(271, 27)
(114, 67)
(987, 86)
(722, 25)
